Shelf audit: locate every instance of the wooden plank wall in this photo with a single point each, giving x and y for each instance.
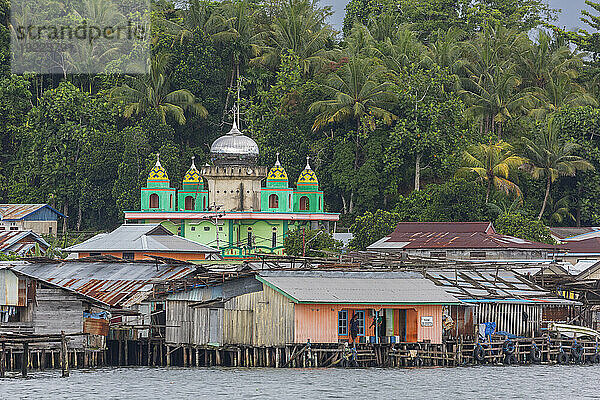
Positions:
(56, 310)
(271, 316)
(179, 318)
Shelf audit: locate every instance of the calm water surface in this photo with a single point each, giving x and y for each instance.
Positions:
(528, 382)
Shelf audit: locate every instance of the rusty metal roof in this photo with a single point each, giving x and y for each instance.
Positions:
(455, 240)
(20, 242)
(19, 211)
(117, 284)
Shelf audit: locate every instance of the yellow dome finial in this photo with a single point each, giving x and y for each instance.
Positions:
(308, 176)
(277, 173)
(192, 175)
(158, 173)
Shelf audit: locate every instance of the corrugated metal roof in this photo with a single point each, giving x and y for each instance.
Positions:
(493, 285)
(20, 211)
(358, 288)
(20, 242)
(117, 284)
(455, 240)
(572, 231)
(141, 237)
(590, 245)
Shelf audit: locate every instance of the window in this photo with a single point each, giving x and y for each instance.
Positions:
(249, 237)
(2, 228)
(154, 203)
(220, 228)
(128, 256)
(274, 238)
(204, 203)
(50, 230)
(207, 228)
(343, 322)
(171, 201)
(94, 254)
(193, 228)
(319, 203)
(437, 254)
(361, 322)
(304, 203)
(273, 201)
(290, 200)
(14, 228)
(478, 255)
(189, 203)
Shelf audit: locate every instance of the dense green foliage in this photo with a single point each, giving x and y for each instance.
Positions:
(520, 226)
(311, 243)
(424, 110)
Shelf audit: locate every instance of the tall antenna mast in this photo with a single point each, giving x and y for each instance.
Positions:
(238, 98)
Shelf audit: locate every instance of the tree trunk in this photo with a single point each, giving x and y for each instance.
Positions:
(488, 190)
(418, 172)
(65, 212)
(357, 148)
(578, 214)
(548, 182)
(499, 131)
(344, 208)
(79, 216)
(351, 207)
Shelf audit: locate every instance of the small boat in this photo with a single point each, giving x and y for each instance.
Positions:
(572, 331)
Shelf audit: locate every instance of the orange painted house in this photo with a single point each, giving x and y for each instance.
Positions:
(274, 308)
(407, 306)
(140, 242)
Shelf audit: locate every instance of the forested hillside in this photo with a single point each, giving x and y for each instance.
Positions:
(419, 110)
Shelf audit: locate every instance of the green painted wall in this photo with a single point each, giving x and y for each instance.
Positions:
(285, 205)
(201, 199)
(166, 199)
(315, 201)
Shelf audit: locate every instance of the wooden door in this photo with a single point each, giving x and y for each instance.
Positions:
(411, 326)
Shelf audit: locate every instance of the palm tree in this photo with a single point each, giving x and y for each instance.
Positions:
(549, 69)
(558, 93)
(550, 157)
(445, 51)
(200, 17)
(355, 94)
(492, 164)
(240, 31)
(546, 58)
(490, 83)
(153, 93)
(299, 27)
(400, 51)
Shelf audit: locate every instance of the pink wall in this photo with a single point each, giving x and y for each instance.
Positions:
(432, 333)
(318, 322)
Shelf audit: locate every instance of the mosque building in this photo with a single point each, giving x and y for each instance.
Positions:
(224, 205)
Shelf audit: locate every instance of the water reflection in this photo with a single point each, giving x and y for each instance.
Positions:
(525, 382)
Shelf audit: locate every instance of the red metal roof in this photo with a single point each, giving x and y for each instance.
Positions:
(455, 227)
(591, 245)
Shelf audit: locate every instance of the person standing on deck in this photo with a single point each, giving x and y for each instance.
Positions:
(354, 327)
